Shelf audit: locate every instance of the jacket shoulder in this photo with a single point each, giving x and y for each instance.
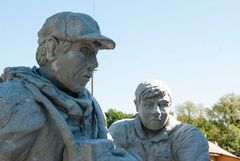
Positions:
(18, 109)
(124, 123)
(121, 126)
(13, 91)
(188, 139)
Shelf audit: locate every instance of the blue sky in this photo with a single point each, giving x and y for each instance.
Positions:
(192, 45)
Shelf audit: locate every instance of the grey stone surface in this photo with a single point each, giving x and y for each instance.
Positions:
(154, 135)
(46, 113)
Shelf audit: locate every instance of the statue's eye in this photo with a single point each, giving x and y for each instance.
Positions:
(148, 103)
(163, 104)
(85, 50)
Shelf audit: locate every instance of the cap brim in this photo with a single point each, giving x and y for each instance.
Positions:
(105, 42)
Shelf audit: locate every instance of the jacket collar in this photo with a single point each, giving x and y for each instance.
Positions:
(161, 136)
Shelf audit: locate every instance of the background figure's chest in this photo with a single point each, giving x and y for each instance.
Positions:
(153, 151)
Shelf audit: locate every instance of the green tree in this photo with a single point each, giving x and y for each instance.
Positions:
(227, 110)
(191, 113)
(114, 115)
(224, 120)
(186, 112)
(230, 140)
(194, 114)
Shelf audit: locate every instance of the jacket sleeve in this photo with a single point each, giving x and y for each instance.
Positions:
(20, 119)
(189, 144)
(118, 132)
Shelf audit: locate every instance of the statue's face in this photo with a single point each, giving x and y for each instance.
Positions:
(75, 67)
(154, 112)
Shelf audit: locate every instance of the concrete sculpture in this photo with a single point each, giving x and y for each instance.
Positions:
(155, 135)
(46, 113)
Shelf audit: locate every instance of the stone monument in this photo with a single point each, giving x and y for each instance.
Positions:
(46, 113)
(155, 135)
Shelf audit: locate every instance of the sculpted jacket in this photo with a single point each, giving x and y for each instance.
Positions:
(175, 142)
(38, 122)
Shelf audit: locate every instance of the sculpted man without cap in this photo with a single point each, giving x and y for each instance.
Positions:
(154, 135)
(46, 113)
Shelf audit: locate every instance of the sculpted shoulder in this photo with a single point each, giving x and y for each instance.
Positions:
(18, 110)
(13, 91)
(183, 129)
(123, 130)
(121, 125)
(189, 140)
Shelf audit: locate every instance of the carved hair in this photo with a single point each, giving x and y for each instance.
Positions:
(41, 51)
(152, 88)
(41, 55)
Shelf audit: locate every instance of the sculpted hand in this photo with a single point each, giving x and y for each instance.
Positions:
(119, 152)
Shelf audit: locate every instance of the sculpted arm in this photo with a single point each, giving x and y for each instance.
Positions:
(117, 132)
(189, 144)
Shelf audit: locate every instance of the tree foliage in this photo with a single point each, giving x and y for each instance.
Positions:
(227, 110)
(114, 115)
(230, 140)
(189, 112)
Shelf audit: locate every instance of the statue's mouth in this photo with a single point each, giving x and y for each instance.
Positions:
(87, 76)
(157, 118)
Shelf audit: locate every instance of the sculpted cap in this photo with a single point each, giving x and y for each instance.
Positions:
(74, 27)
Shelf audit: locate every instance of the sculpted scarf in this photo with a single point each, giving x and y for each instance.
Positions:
(55, 100)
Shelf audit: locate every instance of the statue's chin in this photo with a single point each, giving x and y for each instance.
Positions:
(155, 125)
(77, 90)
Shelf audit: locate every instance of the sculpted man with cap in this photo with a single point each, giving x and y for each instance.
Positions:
(46, 113)
(154, 135)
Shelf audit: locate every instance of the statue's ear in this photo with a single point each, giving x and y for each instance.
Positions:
(51, 45)
(136, 104)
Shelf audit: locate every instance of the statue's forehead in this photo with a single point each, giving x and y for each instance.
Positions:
(157, 99)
